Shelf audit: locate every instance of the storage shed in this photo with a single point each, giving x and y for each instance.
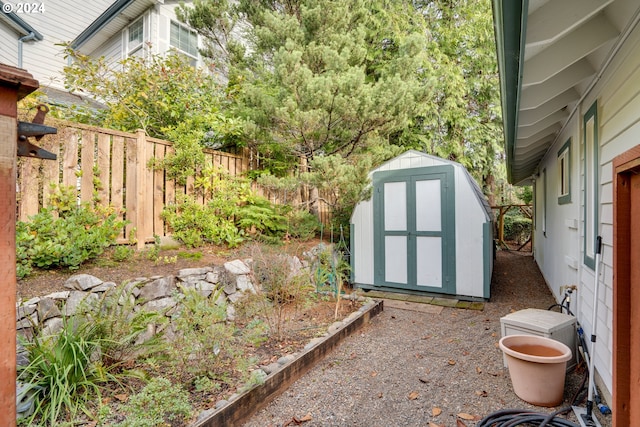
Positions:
(426, 229)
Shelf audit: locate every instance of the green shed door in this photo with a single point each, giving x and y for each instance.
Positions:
(415, 229)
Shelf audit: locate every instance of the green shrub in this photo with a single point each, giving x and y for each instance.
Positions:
(517, 228)
(64, 235)
(302, 225)
(63, 373)
(232, 214)
(159, 403)
(123, 253)
(204, 342)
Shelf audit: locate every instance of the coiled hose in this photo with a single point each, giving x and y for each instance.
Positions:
(522, 417)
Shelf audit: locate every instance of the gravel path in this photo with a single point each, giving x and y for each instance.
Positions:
(410, 368)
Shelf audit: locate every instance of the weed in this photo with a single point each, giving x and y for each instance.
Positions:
(122, 253)
(278, 285)
(190, 255)
(159, 403)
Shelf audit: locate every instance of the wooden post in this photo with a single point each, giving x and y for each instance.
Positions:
(15, 84)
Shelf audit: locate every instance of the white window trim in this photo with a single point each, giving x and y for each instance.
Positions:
(177, 48)
(131, 49)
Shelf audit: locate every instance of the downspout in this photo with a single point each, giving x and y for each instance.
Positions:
(28, 37)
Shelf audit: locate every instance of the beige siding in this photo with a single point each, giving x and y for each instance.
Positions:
(61, 22)
(112, 50)
(561, 250)
(9, 46)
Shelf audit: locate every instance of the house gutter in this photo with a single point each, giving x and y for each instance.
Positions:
(114, 10)
(510, 23)
(21, 40)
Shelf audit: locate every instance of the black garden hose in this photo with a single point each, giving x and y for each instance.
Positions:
(522, 417)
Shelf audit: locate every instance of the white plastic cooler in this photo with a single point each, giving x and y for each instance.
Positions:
(544, 323)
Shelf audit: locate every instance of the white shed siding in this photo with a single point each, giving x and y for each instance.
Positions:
(618, 97)
(9, 47)
(61, 22)
(469, 219)
(469, 238)
(362, 221)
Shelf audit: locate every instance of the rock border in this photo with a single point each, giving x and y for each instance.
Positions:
(243, 405)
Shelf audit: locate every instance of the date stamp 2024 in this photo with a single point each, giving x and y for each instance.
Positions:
(23, 7)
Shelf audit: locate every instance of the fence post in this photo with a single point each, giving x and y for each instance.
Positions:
(143, 219)
(15, 84)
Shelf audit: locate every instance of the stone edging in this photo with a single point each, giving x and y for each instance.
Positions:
(242, 406)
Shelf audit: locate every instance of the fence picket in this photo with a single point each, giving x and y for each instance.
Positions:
(137, 192)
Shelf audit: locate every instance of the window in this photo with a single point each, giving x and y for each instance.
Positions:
(564, 173)
(590, 124)
(135, 37)
(185, 40)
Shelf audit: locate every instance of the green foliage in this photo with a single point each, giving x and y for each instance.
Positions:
(124, 331)
(159, 403)
(278, 286)
(302, 225)
(122, 253)
(517, 227)
(233, 212)
(204, 341)
(63, 373)
(65, 235)
(526, 194)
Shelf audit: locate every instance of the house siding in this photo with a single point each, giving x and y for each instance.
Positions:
(618, 98)
(9, 47)
(62, 21)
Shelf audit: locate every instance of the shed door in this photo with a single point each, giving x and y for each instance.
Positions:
(415, 230)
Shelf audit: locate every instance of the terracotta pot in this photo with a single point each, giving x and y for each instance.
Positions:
(537, 366)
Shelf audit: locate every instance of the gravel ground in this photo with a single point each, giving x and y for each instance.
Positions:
(409, 368)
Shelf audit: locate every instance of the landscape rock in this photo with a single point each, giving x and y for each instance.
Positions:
(104, 287)
(25, 310)
(159, 288)
(47, 309)
(335, 326)
(78, 299)
(52, 326)
(237, 267)
(212, 276)
(58, 295)
(82, 282)
(202, 271)
(271, 368)
(160, 305)
(243, 282)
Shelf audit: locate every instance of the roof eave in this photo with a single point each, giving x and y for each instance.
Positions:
(114, 10)
(510, 19)
(21, 25)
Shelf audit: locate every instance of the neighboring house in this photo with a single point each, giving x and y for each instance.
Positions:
(138, 28)
(570, 82)
(51, 23)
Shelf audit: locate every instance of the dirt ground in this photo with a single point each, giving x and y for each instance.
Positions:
(406, 368)
(411, 368)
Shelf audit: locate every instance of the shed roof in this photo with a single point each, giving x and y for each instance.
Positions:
(479, 195)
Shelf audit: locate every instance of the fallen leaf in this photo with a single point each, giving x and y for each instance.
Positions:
(353, 356)
(91, 424)
(423, 380)
(122, 397)
(379, 395)
(482, 393)
(436, 411)
(466, 416)
(478, 370)
(435, 425)
(452, 362)
(306, 418)
(419, 356)
(426, 337)
(413, 395)
(460, 423)
(465, 353)
(373, 373)
(496, 345)
(493, 334)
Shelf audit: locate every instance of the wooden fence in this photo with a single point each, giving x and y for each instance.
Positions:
(111, 167)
